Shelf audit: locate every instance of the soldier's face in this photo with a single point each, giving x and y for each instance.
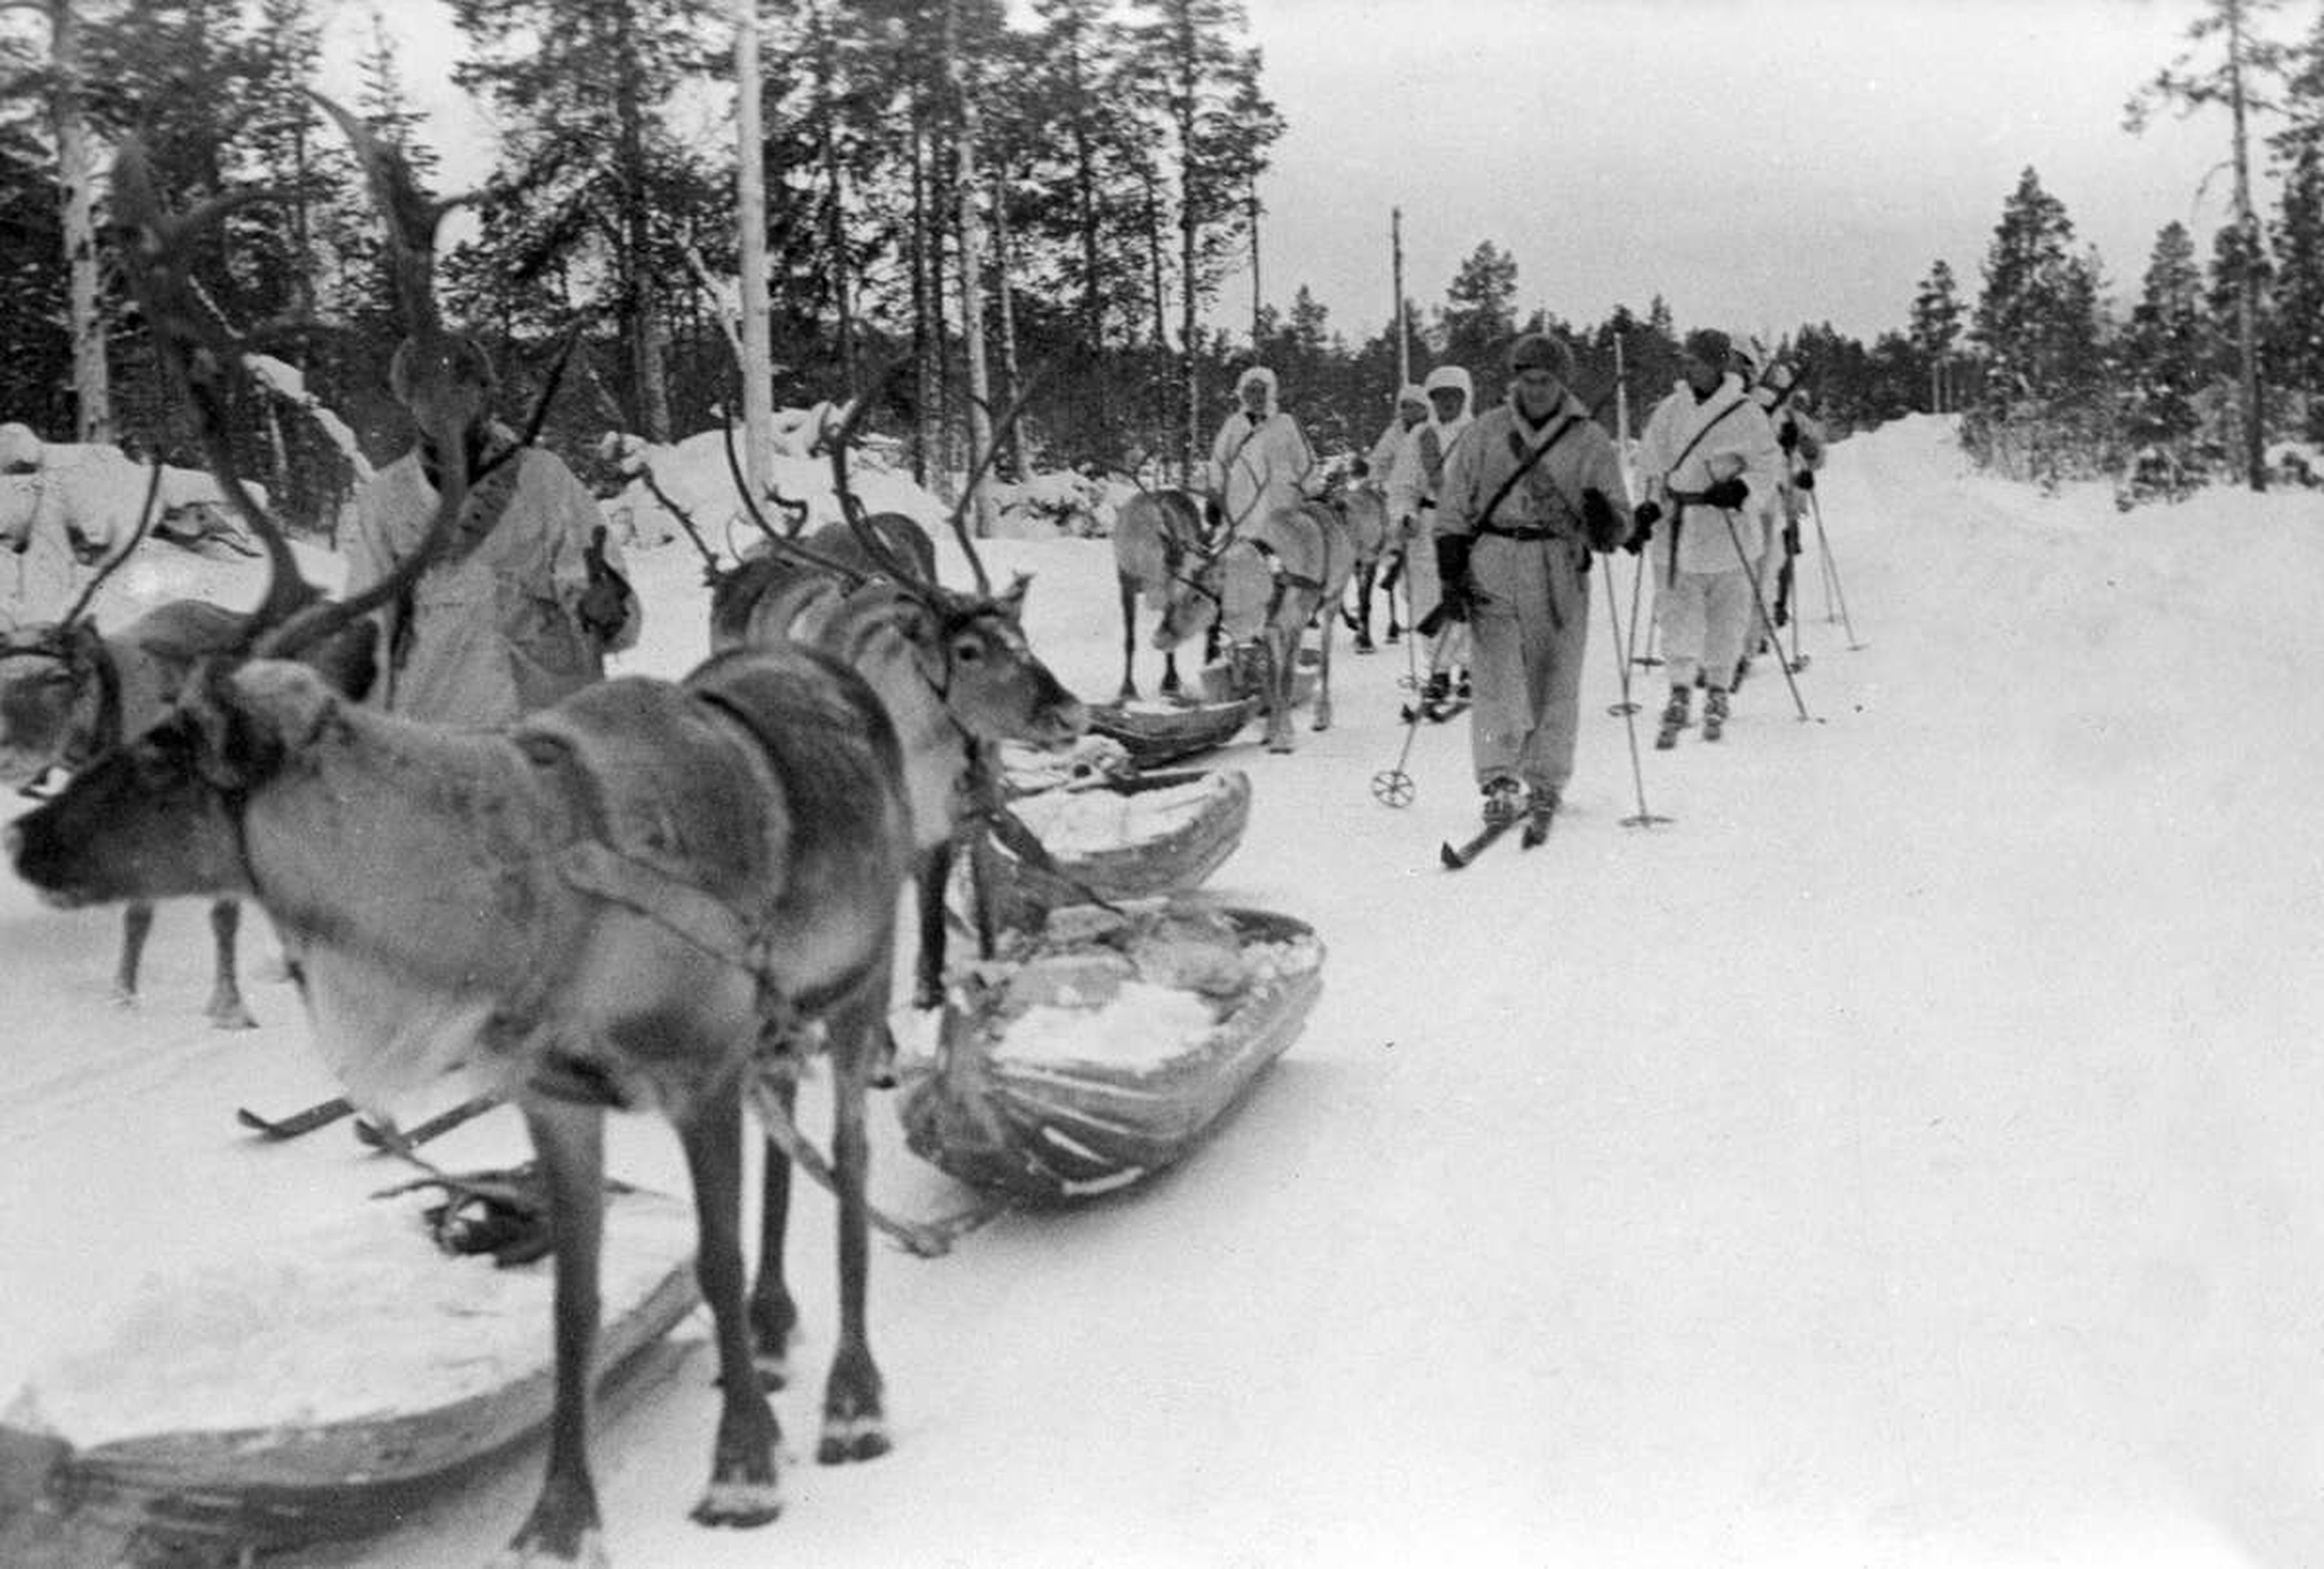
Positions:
(1448, 403)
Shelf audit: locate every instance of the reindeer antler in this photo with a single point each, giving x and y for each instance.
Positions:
(195, 351)
(146, 515)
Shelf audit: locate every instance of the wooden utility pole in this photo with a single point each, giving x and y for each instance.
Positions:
(751, 216)
(1621, 402)
(1396, 275)
(1258, 311)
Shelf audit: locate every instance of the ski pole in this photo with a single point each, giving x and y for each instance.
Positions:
(1393, 786)
(1759, 606)
(1621, 648)
(1824, 544)
(1628, 709)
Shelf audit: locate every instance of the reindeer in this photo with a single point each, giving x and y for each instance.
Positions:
(1156, 534)
(652, 895)
(1378, 561)
(954, 669)
(1262, 586)
(68, 693)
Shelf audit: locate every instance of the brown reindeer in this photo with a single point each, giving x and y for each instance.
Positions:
(1158, 537)
(652, 895)
(1263, 587)
(68, 693)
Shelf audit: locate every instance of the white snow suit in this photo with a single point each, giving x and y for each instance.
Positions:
(1260, 464)
(1528, 568)
(494, 633)
(1703, 554)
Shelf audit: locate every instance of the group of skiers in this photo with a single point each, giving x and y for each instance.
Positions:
(1499, 512)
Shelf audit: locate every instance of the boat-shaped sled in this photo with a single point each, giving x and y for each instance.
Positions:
(283, 1404)
(1126, 838)
(1108, 1048)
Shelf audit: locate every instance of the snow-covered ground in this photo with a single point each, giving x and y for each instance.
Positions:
(1906, 1157)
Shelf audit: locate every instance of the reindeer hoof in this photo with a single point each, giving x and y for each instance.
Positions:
(741, 1505)
(846, 1438)
(589, 1553)
(126, 1001)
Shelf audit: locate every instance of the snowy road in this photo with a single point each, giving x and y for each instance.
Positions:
(1904, 1158)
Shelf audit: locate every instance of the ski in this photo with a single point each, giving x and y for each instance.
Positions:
(1456, 856)
(370, 1133)
(1434, 713)
(321, 1114)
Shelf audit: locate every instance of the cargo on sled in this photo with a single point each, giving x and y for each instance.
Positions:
(1109, 1045)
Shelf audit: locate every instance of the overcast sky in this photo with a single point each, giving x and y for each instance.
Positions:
(1759, 163)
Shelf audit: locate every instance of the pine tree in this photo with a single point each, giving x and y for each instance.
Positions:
(2038, 322)
(1936, 325)
(580, 86)
(2165, 353)
(2237, 82)
(2295, 341)
(1480, 309)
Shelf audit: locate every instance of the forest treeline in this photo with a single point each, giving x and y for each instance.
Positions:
(1117, 149)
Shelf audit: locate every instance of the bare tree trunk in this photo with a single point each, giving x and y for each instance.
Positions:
(843, 303)
(76, 175)
(1008, 292)
(2247, 286)
(1257, 309)
(1161, 336)
(972, 282)
(751, 218)
(927, 308)
(636, 240)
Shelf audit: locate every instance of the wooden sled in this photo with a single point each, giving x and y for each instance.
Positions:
(1122, 839)
(1155, 736)
(1050, 1127)
(241, 1485)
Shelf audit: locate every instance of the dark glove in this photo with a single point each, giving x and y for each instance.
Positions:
(605, 608)
(1726, 494)
(1600, 523)
(1787, 436)
(1790, 538)
(1805, 480)
(1643, 519)
(1452, 578)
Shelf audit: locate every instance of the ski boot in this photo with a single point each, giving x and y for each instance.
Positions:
(1675, 719)
(1714, 714)
(1540, 809)
(1437, 698)
(1504, 802)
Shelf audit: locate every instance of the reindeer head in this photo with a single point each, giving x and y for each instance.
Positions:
(51, 689)
(161, 815)
(1192, 604)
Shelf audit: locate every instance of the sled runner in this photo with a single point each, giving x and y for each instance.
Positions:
(288, 1423)
(1108, 1048)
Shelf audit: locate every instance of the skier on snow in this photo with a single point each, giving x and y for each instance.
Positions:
(1529, 490)
(1414, 489)
(1705, 458)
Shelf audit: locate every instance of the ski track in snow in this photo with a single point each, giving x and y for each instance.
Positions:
(1906, 1157)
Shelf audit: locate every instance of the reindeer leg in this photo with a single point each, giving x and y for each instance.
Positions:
(1171, 685)
(1129, 693)
(774, 1315)
(935, 871)
(854, 1424)
(1278, 670)
(564, 1527)
(744, 1488)
(136, 926)
(226, 1010)
(1323, 678)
